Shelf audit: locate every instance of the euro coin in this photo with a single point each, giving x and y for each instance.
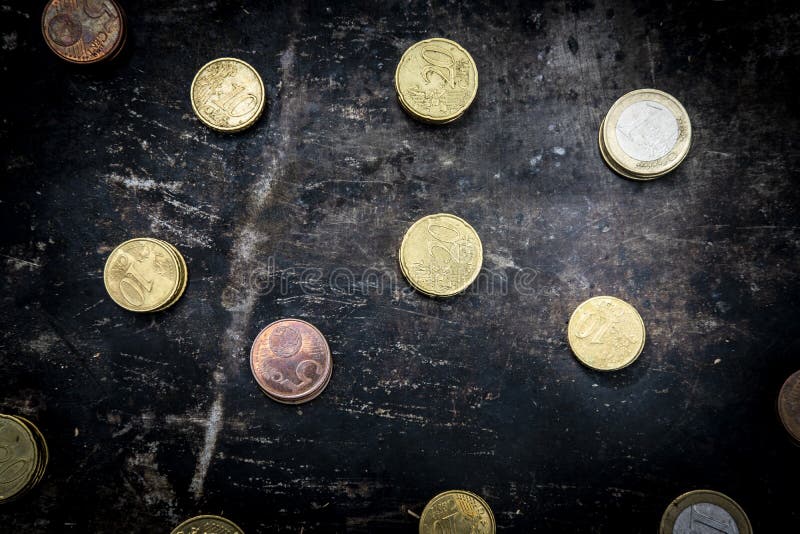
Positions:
(704, 511)
(43, 453)
(457, 512)
(207, 524)
(789, 405)
(227, 95)
(606, 333)
(182, 273)
(646, 134)
(441, 255)
(436, 80)
(291, 361)
(19, 458)
(84, 32)
(143, 275)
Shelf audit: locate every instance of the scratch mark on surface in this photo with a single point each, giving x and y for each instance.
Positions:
(204, 458)
(651, 60)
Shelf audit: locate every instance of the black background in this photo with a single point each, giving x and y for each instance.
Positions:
(479, 391)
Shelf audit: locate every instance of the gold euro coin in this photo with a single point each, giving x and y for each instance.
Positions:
(23, 457)
(606, 333)
(207, 524)
(457, 512)
(646, 134)
(436, 80)
(227, 95)
(145, 274)
(441, 255)
(704, 511)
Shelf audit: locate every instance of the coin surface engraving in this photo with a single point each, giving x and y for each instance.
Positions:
(83, 31)
(457, 512)
(227, 95)
(705, 518)
(606, 333)
(436, 80)
(704, 512)
(18, 457)
(142, 275)
(207, 524)
(291, 361)
(789, 405)
(441, 255)
(647, 130)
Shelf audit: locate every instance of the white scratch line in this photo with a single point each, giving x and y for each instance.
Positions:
(204, 459)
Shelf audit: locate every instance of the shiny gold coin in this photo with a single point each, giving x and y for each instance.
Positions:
(646, 134)
(606, 333)
(207, 524)
(789, 405)
(704, 511)
(457, 512)
(228, 95)
(436, 80)
(182, 273)
(441, 255)
(43, 453)
(19, 458)
(142, 275)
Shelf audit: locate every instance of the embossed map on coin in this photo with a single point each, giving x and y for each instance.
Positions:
(18, 461)
(227, 95)
(141, 274)
(83, 31)
(705, 518)
(647, 131)
(436, 80)
(456, 512)
(606, 333)
(441, 255)
(207, 524)
(290, 360)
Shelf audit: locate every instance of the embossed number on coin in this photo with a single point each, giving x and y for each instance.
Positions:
(606, 333)
(83, 31)
(227, 95)
(457, 511)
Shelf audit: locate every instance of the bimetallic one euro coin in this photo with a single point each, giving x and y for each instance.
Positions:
(84, 32)
(207, 524)
(142, 275)
(441, 255)
(228, 95)
(457, 512)
(436, 80)
(19, 458)
(789, 405)
(645, 134)
(606, 333)
(291, 361)
(704, 511)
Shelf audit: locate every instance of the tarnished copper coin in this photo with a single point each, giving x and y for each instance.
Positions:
(291, 361)
(789, 405)
(84, 31)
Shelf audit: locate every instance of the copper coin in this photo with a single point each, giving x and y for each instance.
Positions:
(789, 405)
(84, 31)
(291, 361)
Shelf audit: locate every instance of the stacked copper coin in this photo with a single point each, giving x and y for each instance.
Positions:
(23, 457)
(291, 361)
(84, 32)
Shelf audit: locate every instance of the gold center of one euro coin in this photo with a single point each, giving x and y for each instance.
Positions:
(457, 512)
(19, 458)
(703, 511)
(606, 333)
(207, 524)
(436, 80)
(228, 95)
(441, 255)
(645, 134)
(142, 275)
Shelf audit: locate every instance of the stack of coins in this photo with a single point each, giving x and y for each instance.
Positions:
(457, 511)
(227, 95)
(436, 81)
(291, 361)
(23, 457)
(207, 524)
(789, 406)
(145, 275)
(606, 333)
(646, 134)
(84, 32)
(704, 511)
(441, 255)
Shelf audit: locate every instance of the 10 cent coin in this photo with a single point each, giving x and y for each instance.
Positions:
(457, 512)
(207, 524)
(227, 95)
(606, 333)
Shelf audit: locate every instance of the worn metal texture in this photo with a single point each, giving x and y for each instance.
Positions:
(155, 418)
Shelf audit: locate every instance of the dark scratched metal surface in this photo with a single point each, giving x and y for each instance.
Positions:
(154, 418)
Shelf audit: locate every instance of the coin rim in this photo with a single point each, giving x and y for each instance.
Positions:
(42, 449)
(690, 498)
(305, 396)
(109, 56)
(26, 485)
(208, 516)
(575, 352)
(623, 160)
(184, 276)
(782, 414)
(429, 118)
(465, 492)
(246, 124)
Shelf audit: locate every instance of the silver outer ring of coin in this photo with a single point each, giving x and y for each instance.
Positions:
(680, 503)
(647, 170)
